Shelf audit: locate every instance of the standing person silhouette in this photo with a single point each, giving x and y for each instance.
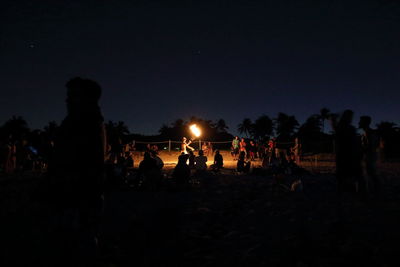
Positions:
(235, 147)
(242, 146)
(370, 145)
(348, 155)
(210, 149)
(78, 168)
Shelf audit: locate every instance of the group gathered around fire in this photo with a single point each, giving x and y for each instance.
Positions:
(355, 155)
(79, 159)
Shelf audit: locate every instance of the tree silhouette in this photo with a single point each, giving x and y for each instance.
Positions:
(17, 127)
(116, 132)
(50, 130)
(313, 124)
(221, 126)
(285, 126)
(121, 128)
(246, 127)
(324, 114)
(165, 131)
(178, 123)
(310, 134)
(263, 127)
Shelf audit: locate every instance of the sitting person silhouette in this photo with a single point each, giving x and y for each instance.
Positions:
(218, 161)
(154, 155)
(191, 159)
(181, 173)
(243, 166)
(200, 162)
(150, 171)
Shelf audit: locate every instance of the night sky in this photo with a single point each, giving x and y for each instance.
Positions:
(159, 62)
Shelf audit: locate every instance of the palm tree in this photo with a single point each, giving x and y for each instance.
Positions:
(263, 127)
(165, 130)
(285, 126)
(312, 125)
(17, 127)
(324, 114)
(116, 131)
(311, 135)
(245, 127)
(121, 128)
(221, 126)
(178, 123)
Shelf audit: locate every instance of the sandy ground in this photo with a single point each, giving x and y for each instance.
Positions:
(220, 220)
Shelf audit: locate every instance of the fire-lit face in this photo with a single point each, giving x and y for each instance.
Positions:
(195, 130)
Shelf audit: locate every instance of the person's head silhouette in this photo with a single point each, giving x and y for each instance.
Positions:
(183, 158)
(82, 94)
(146, 156)
(347, 117)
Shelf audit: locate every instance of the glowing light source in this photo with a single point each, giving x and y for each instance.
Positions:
(195, 130)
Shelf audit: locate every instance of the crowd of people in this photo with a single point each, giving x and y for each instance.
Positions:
(25, 154)
(269, 152)
(79, 162)
(78, 179)
(253, 150)
(356, 154)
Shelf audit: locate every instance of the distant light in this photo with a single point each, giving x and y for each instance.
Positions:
(195, 130)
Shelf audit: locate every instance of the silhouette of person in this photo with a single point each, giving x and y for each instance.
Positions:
(252, 150)
(218, 160)
(204, 147)
(242, 165)
(242, 146)
(210, 149)
(78, 163)
(181, 172)
(271, 149)
(191, 159)
(10, 163)
(235, 147)
(348, 155)
(154, 155)
(186, 145)
(150, 171)
(370, 145)
(200, 162)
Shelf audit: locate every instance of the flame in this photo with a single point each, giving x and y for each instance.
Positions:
(195, 130)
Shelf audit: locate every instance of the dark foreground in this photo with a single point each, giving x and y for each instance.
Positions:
(226, 220)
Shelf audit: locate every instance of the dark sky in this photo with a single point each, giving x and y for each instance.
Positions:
(159, 62)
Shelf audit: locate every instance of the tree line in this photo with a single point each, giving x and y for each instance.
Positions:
(285, 128)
